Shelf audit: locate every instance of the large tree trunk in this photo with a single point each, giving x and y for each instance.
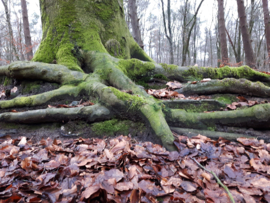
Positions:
(87, 25)
(135, 22)
(26, 29)
(222, 32)
(92, 47)
(245, 34)
(267, 26)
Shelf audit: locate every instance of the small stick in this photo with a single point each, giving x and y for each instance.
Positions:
(218, 180)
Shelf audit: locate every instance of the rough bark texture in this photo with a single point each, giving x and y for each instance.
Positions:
(222, 32)
(12, 41)
(26, 29)
(93, 47)
(245, 34)
(135, 22)
(87, 25)
(267, 26)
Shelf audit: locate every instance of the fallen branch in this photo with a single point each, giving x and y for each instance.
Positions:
(217, 179)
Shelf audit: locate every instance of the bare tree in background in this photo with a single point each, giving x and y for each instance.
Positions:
(222, 32)
(10, 29)
(267, 25)
(245, 34)
(169, 37)
(185, 39)
(26, 29)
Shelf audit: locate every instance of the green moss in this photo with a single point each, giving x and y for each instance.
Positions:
(168, 67)
(198, 108)
(110, 127)
(213, 128)
(160, 76)
(198, 73)
(7, 81)
(104, 9)
(104, 73)
(192, 74)
(134, 101)
(225, 98)
(30, 87)
(136, 69)
(74, 82)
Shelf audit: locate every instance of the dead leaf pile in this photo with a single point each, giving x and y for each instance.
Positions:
(174, 85)
(164, 94)
(72, 105)
(123, 170)
(242, 103)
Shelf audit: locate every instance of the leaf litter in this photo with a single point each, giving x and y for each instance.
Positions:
(123, 170)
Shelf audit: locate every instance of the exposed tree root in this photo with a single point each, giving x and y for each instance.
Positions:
(194, 105)
(211, 134)
(185, 74)
(108, 76)
(227, 85)
(255, 117)
(89, 114)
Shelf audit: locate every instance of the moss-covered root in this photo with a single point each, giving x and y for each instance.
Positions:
(184, 74)
(65, 91)
(211, 134)
(41, 71)
(137, 52)
(228, 85)
(88, 114)
(257, 117)
(156, 119)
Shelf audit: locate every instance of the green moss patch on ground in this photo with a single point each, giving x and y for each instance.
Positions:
(113, 126)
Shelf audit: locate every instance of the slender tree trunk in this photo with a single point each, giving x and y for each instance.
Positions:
(211, 48)
(10, 29)
(267, 26)
(135, 22)
(26, 29)
(222, 32)
(187, 40)
(169, 36)
(194, 45)
(245, 34)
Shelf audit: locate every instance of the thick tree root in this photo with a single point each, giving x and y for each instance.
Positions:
(41, 71)
(111, 78)
(228, 85)
(211, 134)
(194, 105)
(185, 74)
(89, 114)
(255, 117)
(39, 99)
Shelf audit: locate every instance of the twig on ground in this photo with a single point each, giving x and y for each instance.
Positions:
(217, 179)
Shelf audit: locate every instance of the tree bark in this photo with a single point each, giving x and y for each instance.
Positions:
(169, 36)
(26, 29)
(135, 22)
(222, 33)
(97, 61)
(187, 40)
(12, 40)
(245, 34)
(93, 26)
(267, 27)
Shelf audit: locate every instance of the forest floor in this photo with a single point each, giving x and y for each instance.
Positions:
(122, 169)
(51, 163)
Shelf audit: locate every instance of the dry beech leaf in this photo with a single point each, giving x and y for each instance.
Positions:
(121, 170)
